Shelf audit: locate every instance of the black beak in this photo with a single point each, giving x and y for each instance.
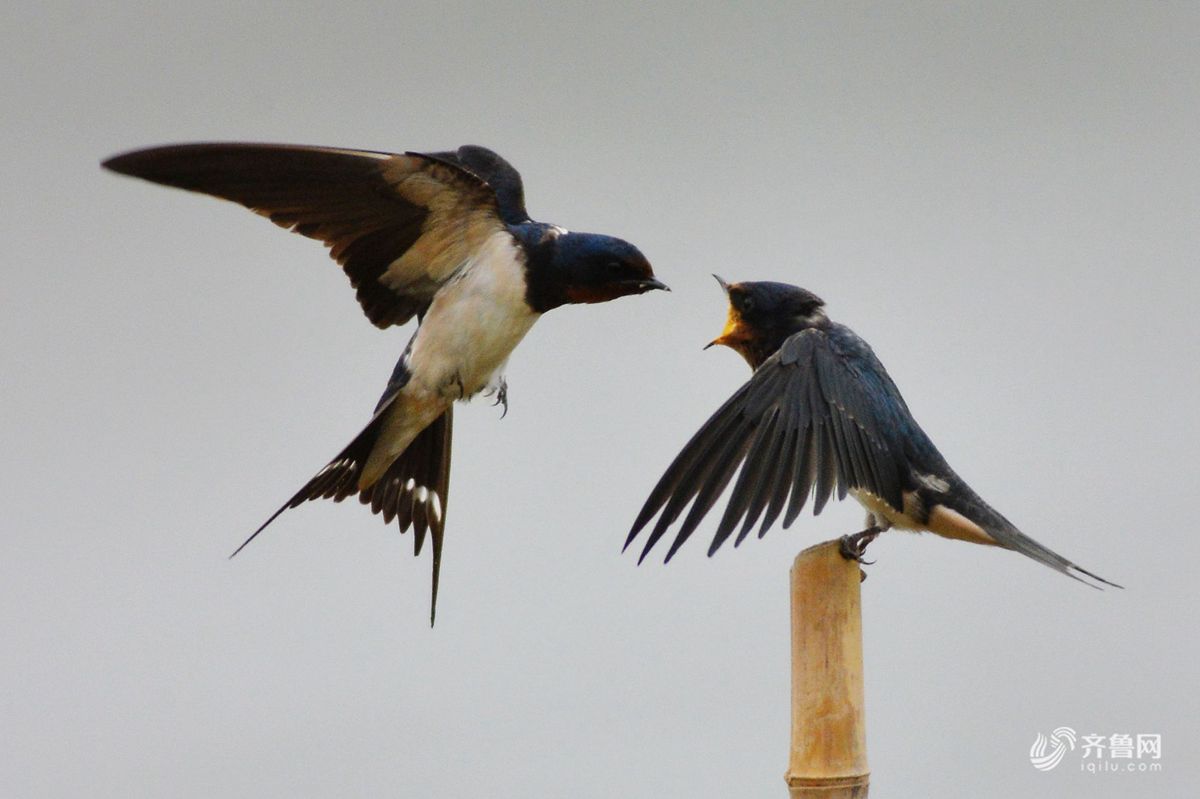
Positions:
(724, 285)
(652, 283)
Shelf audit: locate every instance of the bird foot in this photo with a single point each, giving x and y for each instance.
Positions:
(853, 547)
(502, 397)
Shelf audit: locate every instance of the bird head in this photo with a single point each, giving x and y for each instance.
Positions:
(762, 314)
(589, 267)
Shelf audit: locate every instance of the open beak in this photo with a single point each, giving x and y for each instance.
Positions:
(731, 323)
(731, 327)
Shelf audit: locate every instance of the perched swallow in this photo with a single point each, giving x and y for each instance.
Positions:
(819, 414)
(441, 236)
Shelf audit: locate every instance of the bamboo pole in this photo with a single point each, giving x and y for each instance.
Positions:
(829, 748)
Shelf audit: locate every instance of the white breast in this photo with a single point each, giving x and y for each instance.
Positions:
(473, 324)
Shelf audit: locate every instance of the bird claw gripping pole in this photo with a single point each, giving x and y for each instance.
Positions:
(853, 547)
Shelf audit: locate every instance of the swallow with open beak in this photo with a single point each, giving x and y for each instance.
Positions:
(819, 415)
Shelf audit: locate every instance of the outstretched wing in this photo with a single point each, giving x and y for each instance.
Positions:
(813, 419)
(400, 225)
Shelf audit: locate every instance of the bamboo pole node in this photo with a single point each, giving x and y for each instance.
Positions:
(828, 757)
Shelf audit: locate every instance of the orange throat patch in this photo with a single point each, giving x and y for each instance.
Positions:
(737, 336)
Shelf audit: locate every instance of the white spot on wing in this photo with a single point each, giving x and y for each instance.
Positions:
(933, 483)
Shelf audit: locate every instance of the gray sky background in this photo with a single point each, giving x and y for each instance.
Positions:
(1003, 200)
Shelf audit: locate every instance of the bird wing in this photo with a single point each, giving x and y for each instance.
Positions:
(814, 418)
(400, 225)
(497, 173)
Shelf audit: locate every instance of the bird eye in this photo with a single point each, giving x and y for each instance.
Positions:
(614, 267)
(747, 304)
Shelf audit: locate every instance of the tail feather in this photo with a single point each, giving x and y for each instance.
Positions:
(1009, 537)
(413, 489)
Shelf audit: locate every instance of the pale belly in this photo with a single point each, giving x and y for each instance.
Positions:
(939, 519)
(460, 349)
(472, 326)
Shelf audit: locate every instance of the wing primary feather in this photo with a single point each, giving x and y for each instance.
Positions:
(700, 463)
(746, 485)
(766, 460)
(874, 478)
(689, 459)
(826, 461)
(794, 416)
(854, 470)
(369, 208)
(743, 410)
(842, 457)
(715, 478)
(865, 467)
(781, 470)
(803, 475)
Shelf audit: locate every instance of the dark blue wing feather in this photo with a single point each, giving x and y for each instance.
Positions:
(819, 416)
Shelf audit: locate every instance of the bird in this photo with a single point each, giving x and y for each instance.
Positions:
(441, 236)
(819, 415)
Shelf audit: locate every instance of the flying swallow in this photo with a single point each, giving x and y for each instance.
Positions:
(440, 236)
(820, 414)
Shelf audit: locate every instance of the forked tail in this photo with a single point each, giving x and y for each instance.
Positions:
(1009, 537)
(413, 490)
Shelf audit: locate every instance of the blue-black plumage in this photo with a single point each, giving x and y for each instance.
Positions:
(442, 236)
(819, 416)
